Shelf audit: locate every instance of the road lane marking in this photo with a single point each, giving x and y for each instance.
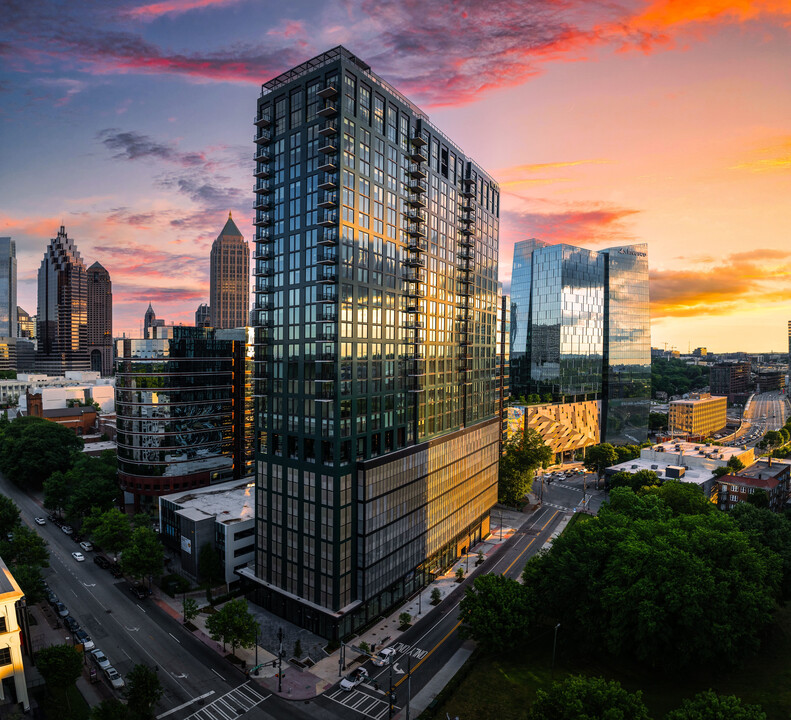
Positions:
(140, 607)
(181, 707)
(175, 638)
(420, 662)
(218, 674)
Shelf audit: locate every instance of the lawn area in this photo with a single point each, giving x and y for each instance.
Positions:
(503, 688)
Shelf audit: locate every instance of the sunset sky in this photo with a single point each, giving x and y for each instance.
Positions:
(666, 122)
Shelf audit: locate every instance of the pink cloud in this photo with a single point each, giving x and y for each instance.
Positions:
(174, 7)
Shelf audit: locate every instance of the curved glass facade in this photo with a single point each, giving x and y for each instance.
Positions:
(181, 411)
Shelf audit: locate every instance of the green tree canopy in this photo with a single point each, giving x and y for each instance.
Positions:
(710, 706)
(9, 515)
(684, 498)
(59, 665)
(110, 530)
(32, 449)
(657, 421)
(640, 581)
(759, 498)
(636, 481)
(771, 439)
(495, 613)
(524, 454)
(233, 625)
(587, 698)
(600, 457)
(110, 710)
(143, 691)
(144, 555)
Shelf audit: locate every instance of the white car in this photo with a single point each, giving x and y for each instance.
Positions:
(82, 637)
(100, 659)
(384, 657)
(78, 556)
(86, 545)
(68, 529)
(350, 682)
(114, 677)
(40, 521)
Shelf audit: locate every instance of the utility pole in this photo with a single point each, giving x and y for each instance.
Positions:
(340, 659)
(554, 645)
(408, 683)
(390, 694)
(280, 661)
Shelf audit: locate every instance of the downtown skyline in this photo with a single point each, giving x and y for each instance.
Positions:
(645, 122)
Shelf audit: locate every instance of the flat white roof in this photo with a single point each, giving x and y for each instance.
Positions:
(228, 502)
(695, 475)
(698, 450)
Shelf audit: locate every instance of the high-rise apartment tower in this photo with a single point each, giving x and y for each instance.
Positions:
(229, 278)
(376, 292)
(100, 319)
(580, 331)
(8, 312)
(62, 321)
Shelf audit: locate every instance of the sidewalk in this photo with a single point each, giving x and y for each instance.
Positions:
(304, 684)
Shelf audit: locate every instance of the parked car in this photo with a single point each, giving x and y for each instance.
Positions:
(78, 556)
(86, 545)
(82, 637)
(61, 609)
(39, 521)
(68, 529)
(114, 677)
(52, 598)
(100, 658)
(115, 570)
(71, 624)
(384, 657)
(138, 591)
(101, 561)
(360, 675)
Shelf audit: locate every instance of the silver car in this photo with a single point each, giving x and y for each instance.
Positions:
(114, 677)
(100, 659)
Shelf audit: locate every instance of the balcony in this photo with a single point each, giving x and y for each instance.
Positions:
(326, 294)
(264, 255)
(330, 128)
(418, 140)
(326, 356)
(329, 201)
(327, 274)
(468, 187)
(328, 148)
(417, 244)
(466, 254)
(329, 110)
(412, 306)
(466, 239)
(465, 339)
(260, 387)
(417, 201)
(416, 215)
(467, 231)
(328, 236)
(327, 334)
(464, 274)
(325, 392)
(264, 270)
(263, 219)
(327, 313)
(328, 218)
(264, 235)
(263, 155)
(413, 290)
(465, 288)
(415, 230)
(413, 276)
(262, 336)
(417, 171)
(415, 261)
(263, 137)
(329, 165)
(263, 171)
(264, 304)
(263, 120)
(467, 218)
(262, 187)
(262, 286)
(413, 325)
(418, 154)
(418, 185)
(328, 182)
(327, 256)
(262, 203)
(416, 368)
(327, 92)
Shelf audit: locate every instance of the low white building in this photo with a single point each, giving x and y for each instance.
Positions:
(57, 390)
(12, 670)
(221, 515)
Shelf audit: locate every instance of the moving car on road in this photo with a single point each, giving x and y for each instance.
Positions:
(68, 529)
(78, 556)
(384, 657)
(350, 682)
(40, 521)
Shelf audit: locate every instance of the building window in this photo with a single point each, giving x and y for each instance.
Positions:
(5, 656)
(3, 627)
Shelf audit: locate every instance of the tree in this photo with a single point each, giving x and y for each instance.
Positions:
(771, 440)
(209, 566)
(190, 609)
(144, 555)
(143, 691)
(709, 705)
(759, 498)
(460, 573)
(635, 481)
(735, 465)
(657, 421)
(523, 454)
(404, 619)
(599, 457)
(684, 498)
(626, 452)
(33, 448)
(591, 698)
(639, 581)
(436, 596)
(56, 491)
(60, 666)
(110, 710)
(110, 530)
(495, 612)
(93, 483)
(27, 548)
(9, 516)
(233, 624)
(30, 582)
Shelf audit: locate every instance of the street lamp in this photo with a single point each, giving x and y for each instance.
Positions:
(554, 645)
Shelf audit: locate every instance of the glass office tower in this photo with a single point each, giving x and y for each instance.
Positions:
(8, 307)
(376, 291)
(580, 330)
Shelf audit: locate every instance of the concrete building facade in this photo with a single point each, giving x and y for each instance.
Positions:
(13, 687)
(731, 379)
(700, 416)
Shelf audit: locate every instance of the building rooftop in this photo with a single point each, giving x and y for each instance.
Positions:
(762, 469)
(227, 502)
(696, 400)
(696, 475)
(721, 453)
(9, 588)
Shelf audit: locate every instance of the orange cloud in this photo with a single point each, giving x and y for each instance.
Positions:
(773, 158)
(671, 13)
(173, 7)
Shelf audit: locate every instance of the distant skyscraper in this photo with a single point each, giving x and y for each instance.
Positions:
(376, 296)
(580, 331)
(100, 319)
(8, 315)
(203, 316)
(229, 278)
(25, 323)
(150, 321)
(503, 353)
(62, 325)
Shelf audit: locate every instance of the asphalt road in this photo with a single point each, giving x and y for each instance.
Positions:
(767, 411)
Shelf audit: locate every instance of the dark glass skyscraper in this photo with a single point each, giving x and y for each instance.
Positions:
(8, 307)
(376, 291)
(100, 319)
(580, 330)
(62, 324)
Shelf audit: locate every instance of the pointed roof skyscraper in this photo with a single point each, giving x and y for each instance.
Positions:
(229, 278)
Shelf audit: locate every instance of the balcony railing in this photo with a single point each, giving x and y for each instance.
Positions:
(418, 154)
(329, 165)
(329, 128)
(262, 203)
(327, 274)
(327, 334)
(263, 120)
(328, 218)
(330, 109)
(325, 392)
(262, 186)
(327, 313)
(328, 236)
(263, 137)
(264, 270)
(263, 219)
(415, 215)
(416, 230)
(327, 256)
(329, 200)
(328, 182)
(416, 200)
(264, 155)
(418, 185)
(326, 294)
(328, 148)
(417, 244)
(264, 235)
(263, 171)
(327, 92)
(417, 171)
(416, 261)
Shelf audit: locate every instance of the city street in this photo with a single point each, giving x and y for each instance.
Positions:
(767, 411)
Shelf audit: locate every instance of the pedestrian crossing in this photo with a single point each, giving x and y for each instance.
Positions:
(232, 705)
(360, 702)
